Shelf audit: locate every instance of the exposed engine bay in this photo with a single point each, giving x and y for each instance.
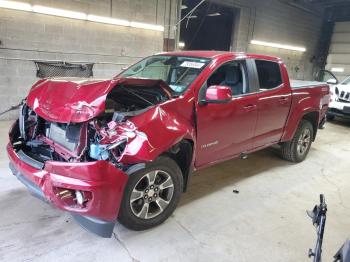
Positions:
(102, 138)
(128, 101)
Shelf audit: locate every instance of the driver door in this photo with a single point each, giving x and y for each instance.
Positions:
(326, 76)
(227, 130)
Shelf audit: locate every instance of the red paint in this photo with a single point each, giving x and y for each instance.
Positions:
(162, 126)
(274, 107)
(220, 93)
(77, 100)
(230, 127)
(218, 131)
(102, 179)
(305, 100)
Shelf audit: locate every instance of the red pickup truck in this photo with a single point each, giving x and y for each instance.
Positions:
(125, 148)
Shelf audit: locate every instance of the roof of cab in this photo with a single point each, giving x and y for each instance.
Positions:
(215, 54)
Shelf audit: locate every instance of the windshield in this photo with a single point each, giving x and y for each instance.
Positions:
(346, 81)
(177, 71)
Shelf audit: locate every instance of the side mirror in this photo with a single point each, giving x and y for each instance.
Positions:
(332, 81)
(218, 94)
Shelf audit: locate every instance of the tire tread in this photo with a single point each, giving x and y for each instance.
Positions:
(288, 149)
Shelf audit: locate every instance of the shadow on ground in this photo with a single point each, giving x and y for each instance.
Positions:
(340, 122)
(212, 179)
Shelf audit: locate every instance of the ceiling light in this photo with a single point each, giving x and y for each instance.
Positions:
(107, 20)
(184, 7)
(214, 14)
(76, 15)
(58, 12)
(276, 45)
(181, 44)
(147, 26)
(337, 69)
(15, 5)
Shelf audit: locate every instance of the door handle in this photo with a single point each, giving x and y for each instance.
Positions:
(283, 100)
(249, 108)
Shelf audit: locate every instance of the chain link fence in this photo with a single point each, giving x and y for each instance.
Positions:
(63, 69)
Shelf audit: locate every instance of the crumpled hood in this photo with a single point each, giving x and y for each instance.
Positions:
(75, 99)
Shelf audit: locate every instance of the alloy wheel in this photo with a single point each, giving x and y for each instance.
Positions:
(304, 141)
(152, 194)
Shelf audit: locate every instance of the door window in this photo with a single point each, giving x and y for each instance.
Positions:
(326, 76)
(233, 75)
(346, 81)
(269, 74)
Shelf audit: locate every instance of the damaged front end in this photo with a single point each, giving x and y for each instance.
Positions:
(82, 166)
(70, 142)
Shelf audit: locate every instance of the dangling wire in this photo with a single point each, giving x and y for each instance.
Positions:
(189, 13)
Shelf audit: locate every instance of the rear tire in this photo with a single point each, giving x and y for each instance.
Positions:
(151, 194)
(297, 149)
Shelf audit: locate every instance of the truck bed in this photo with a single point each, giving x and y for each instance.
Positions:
(301, 83)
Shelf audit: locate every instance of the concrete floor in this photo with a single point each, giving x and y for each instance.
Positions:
(265, 221)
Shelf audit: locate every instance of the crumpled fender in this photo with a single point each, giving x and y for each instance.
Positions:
(156, 131)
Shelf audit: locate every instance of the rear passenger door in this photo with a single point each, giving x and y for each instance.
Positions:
(274, 100)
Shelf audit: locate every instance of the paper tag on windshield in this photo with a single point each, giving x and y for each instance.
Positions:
(192, 64)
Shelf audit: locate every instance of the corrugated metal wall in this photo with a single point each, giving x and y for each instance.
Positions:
(339, 53)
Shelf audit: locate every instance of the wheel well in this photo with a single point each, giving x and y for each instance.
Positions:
(182, 154)
(312, 117)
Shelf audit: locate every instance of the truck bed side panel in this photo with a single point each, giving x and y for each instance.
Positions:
(296, 84)
(306, 100)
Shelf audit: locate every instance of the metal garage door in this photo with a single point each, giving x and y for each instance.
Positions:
(338, 60)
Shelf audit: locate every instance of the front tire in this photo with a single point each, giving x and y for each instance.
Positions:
(297, 149)
(151, 194)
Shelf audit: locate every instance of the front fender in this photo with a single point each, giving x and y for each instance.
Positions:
(156, 131)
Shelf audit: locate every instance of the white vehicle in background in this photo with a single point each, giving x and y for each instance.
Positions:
(339, 105)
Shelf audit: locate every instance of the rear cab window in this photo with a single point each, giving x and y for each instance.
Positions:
(269, 74)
